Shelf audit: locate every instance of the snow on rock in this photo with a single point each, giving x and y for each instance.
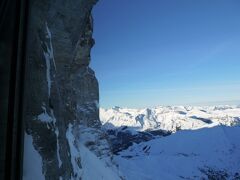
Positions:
(86, 164)
(58, 148)
(44, 116)
(57, 136)
(188, 154)
(75, 155)
(32, 162)
(170, 118)
(49, 57)
(94, 168)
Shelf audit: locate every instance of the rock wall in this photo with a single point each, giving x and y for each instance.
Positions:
(60, 88)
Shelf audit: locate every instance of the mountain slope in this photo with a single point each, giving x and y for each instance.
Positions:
(208, 153)
(173, 143)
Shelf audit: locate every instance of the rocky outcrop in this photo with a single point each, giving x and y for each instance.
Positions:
(60, 87)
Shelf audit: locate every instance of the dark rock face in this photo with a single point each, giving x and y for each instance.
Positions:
(60, 88)
(122, 138)
(208, 121)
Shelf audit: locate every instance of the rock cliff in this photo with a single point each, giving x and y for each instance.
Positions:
(61, 91)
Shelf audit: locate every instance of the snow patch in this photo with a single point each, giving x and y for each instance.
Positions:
(44, 117)
(94, 168)
(58, 149)
(86, 164)
(75, 155)
(32, 161)
(57, 136)
(49, 56)
(50, 50)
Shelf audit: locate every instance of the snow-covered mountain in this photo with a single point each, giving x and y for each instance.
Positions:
(171, 143)
(170, 118)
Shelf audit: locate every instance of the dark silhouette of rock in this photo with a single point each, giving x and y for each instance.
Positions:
(208, 121)
(122, 138)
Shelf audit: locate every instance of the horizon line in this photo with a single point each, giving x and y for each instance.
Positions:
(210, 103)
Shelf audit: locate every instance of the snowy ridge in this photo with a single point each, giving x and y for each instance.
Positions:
(170, 118)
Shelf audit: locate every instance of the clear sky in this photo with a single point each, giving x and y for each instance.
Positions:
(166, 52)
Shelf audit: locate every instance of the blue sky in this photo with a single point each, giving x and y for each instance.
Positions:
(167, 52)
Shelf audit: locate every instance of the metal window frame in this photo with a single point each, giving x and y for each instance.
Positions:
(13, 23)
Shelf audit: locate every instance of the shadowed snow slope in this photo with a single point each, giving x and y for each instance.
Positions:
(94, 168)
(32, 168)
(210, 153)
